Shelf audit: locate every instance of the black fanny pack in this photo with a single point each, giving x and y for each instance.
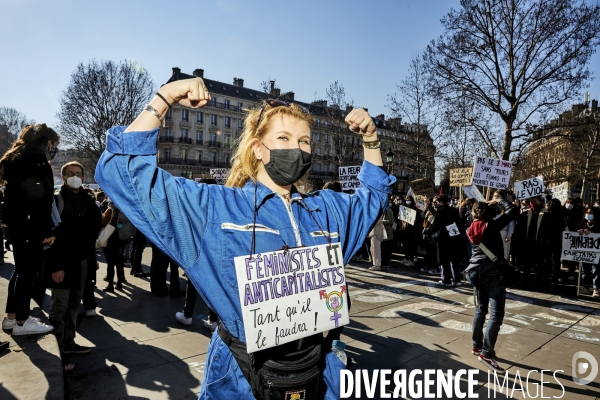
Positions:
(292, 371)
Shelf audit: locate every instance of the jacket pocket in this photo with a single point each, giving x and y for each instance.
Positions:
(332, 235)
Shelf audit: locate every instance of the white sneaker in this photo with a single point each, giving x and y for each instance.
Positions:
(375, 268)
(181, 318)
(8, 323)
(211, 326)
(90, 313)
(409, 263)
(32, 326)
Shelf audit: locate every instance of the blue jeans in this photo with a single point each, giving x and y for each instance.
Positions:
(589, 275)
(491, 291)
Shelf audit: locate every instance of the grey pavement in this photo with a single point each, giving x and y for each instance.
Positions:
(400, 319)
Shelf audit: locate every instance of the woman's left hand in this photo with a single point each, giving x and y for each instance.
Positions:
(49, 241)
(360, 122)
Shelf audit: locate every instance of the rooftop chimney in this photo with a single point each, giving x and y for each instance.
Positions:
(198, 73)
(176, 70)
(289, 95)
(238, 82)
(272, 86)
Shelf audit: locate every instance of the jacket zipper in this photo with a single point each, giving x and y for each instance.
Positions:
(248, 227)
(332, 235)
(288, 207)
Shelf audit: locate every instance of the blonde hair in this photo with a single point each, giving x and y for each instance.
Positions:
(244, 165)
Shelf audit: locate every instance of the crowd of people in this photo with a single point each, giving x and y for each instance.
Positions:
(202, 227)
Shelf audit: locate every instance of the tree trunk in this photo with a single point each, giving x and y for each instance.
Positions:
(507, 143)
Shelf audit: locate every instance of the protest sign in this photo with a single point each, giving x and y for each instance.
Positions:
(407, 215)
(561, 192)
(349, 177)
(491, 172)
(286, 295)
(529, 188)
(461, 176)
(423, 187)
(473, 193)
(581, 248)
(420, 201)
(452, 229)
(219, 175)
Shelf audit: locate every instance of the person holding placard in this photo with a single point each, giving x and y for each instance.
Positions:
(589, 277)
(208, 230)
(409, 234)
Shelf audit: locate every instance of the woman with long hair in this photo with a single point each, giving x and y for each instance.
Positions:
(27, 213)
(259, 212)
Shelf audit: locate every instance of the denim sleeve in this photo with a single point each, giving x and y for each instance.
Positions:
(171, 212)
(356, 214)
(511, 228)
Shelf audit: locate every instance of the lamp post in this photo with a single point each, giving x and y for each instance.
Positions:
(389, 158)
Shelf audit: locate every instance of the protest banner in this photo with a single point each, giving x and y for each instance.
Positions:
(529, 188)
(461, 176)
(219, 175)
(581, 248)
(491, 172)
(407, 215)
(349, 177)
(420, 201)
(423, 187)
(289, 294)
(561, 192)
(473, 193)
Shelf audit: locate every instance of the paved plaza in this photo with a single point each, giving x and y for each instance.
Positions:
(400, 319)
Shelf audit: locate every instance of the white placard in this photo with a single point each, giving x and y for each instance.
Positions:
(561, 192)
(453, 229)
(407, 215)
(286, 295)
(584, 248)
(349, 177)
(491, 172)
(219, 175)
(461, 176)
(473, 193)
(529, 188)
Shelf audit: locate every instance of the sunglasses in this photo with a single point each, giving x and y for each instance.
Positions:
(276, 103)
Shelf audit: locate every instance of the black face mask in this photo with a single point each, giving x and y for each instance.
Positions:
(51, 153)
(287, 165)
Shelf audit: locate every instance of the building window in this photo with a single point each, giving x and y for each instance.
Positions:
(326, 168)
(184, 133)
(213, 157)
(240, 123)
(213, 137)
(168, 133)
(227, 139)
(185, 114)
(169, 114)
(198, 137)
(240, 106)
(318, 151)
(318, 136)
(226, 104)
(213, 101)
(184, 154)
(200, 117)
(318, 167)
(213, 119)
(228, 122)
(199, 157)
(167, 154)
(326, 138)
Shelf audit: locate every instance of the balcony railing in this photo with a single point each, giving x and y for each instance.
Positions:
(184, 140)
(168, 139)
(224, 106)
(212, 143)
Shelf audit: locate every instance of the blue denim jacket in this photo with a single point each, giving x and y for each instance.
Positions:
(203, 227)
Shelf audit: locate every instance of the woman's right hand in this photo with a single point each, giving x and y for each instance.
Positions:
(187, 92)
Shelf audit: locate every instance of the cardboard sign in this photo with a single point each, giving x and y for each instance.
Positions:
(219, 175)
(529, 188)
(491, 172)
(473, 193)
(286, 295)
(461, 176)
(583, 248)
(423, 187)
(349, 177)
(407, 215)
(453, 229)
(561, 192)
(420, 201)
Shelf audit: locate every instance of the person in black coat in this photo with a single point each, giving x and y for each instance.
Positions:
(80, 224)
(448, 241)
(491, 289)
(27, 211)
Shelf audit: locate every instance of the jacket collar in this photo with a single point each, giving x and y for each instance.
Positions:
(263, 193)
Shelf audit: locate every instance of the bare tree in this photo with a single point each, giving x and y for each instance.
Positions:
(517, 58)
(415, 120)
(11, 124)
(100, 95)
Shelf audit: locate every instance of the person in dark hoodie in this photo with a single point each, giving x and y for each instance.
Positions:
(491, 290)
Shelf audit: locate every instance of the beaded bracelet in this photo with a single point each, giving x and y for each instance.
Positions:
(375, 144)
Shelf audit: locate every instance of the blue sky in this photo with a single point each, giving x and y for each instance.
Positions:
(304, 45)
